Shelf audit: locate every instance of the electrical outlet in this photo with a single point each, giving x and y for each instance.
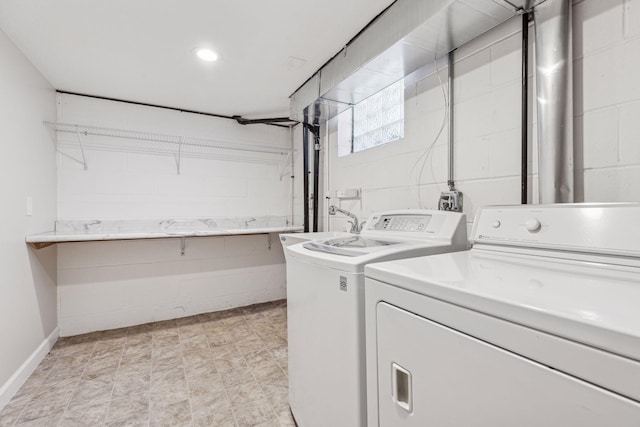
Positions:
(29, 206)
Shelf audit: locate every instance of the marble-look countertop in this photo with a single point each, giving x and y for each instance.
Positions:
(128, 229)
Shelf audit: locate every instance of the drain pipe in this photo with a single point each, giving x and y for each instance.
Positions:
(450, 181)
(305, 174)
(450, 200)
(524, 146)
(315, 130)
(554, 80)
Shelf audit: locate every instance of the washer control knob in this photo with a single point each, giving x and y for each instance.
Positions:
(533, 225)
(496, 224)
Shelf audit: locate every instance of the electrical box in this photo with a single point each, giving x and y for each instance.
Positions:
(348, 193)
(450, 201)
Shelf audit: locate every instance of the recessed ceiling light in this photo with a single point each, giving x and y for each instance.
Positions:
(206, 54)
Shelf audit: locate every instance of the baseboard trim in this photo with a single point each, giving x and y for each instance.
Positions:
(13, 384)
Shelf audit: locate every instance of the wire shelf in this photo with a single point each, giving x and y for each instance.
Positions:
(75, 136)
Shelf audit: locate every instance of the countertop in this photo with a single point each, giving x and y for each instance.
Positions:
(123, 229)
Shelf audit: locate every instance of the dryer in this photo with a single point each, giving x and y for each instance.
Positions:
(537, 325)
(325, 308)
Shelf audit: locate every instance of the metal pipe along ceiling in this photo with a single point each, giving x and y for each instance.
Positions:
(555, 100)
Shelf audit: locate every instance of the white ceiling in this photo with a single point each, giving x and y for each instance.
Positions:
(141, 50)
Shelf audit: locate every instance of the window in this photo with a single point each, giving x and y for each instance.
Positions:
(375, 121)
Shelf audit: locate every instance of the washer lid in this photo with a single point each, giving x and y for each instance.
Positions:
(587, 302)
(349, 246)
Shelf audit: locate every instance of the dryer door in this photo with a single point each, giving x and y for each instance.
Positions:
(431, 375)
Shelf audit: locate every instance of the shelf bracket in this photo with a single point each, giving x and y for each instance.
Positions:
(41, 245)
(183, 244)
(84, 159)
(179, 155)
(283, 171)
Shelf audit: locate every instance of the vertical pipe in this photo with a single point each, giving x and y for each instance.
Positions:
(524, 166)
(450, 181)
(555, 101)
(305, 173)
(293, 173)
(316, 175)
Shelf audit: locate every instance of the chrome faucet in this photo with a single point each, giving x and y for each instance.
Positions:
(356, 227)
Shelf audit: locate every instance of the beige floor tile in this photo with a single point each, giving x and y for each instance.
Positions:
(93, 391)
(254, 413)
(11, 412)
(80, 413)
(279, 402)
(236, 377)
(245, 393)
(169, 395)
(276, 384)
(51, 420)
(40, 410)
(216, 369)
(134, 366)
(215, 419)
(196, 372)
(174, 414)
(170, 362)
(127, 385)
(266, 369)
(133, 410)
(213, 400)
(167, 378)
(192, 358)
(217, 339)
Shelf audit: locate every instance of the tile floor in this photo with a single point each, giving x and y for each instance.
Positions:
(226, 368)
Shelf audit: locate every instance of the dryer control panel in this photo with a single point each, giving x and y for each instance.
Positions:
(601, 228)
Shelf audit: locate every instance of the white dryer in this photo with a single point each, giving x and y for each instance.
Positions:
(537, 325)
(325, 308)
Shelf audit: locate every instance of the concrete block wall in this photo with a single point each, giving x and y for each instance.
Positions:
(607, 98)
(411, 173)
(113, 284)
(105, 285)
(135, 185)
(606, 50)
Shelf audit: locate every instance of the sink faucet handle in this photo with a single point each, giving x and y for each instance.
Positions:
(362, 225)
(355, 228)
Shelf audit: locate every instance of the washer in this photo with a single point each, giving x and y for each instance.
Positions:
(325, 308)
(537, 325)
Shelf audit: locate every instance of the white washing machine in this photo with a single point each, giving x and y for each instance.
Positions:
(325, 308)
(537, 325)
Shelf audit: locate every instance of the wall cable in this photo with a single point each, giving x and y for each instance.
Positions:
(426, 154)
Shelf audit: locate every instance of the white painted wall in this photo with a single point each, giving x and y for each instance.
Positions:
(27, 165)
(105, 285)
(606, 38)
(133, 185)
